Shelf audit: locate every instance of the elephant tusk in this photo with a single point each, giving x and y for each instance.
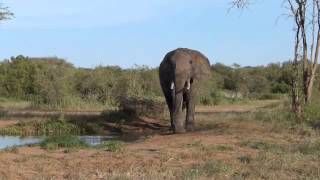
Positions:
(188, 84)
(172, 86)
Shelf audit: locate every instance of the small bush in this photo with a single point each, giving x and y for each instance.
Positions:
(66, 141)
(136, 106)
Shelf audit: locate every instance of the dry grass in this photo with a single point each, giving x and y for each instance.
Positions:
(225, 146)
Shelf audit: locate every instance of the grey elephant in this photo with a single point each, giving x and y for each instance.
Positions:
(181, 72)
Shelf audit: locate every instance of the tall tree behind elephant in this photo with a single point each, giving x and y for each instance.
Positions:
(181, 73)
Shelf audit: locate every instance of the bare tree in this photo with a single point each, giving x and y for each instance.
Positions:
(295, 88)
(5, 13)
(306, 15)
(240, 4)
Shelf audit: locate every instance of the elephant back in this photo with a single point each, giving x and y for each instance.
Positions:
(184, 62)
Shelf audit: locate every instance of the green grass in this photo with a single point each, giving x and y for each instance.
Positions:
(193, 144)
(12, 103)
(52, 126)
(209, 169)
(72, 103)
(73, 142)
(112, 146)
(261, 145)
(221, 148)
(65, 141)
(13, 149)
(309, 148)
(245, 159)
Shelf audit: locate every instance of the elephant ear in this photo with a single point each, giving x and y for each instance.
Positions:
(202, 69)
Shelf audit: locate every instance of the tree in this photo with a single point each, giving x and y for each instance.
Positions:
(306, 16)
(240, 4)
(5, 13)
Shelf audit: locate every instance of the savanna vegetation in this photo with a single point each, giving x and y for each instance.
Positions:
(55, 83)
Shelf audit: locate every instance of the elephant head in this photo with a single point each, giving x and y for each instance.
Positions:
(181, 73)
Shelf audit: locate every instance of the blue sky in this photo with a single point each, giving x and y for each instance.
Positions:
(126, 32)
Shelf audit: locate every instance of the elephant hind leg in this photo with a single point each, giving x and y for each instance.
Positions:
(169, 100)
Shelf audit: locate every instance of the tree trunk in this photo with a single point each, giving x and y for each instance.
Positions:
(296, 106)
(310, 88)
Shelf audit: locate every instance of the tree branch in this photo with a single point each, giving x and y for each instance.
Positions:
(5, 13)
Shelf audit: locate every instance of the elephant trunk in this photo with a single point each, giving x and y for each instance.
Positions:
(177, 120)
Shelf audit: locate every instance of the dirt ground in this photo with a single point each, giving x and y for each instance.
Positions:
(9, 122)
(223, 150)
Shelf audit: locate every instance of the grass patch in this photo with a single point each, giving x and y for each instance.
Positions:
(54, 126)
(13, 149)
(309, 148)
(221, 148)
(209, 169)
(264, 146)
(193, 144)
(12, 103)
(245, 159)
(56, 142)
(112, 146)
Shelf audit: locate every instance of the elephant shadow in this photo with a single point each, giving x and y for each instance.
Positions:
(127, 126)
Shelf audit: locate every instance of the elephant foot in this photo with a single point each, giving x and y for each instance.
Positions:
(190, 127)
(179, 131)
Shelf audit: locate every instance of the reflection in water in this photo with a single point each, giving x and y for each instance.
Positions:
(96, 140)
(10, 141)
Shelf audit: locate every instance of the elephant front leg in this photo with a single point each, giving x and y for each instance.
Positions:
(178, 120)
(190, 112)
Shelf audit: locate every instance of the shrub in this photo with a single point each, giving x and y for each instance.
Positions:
(65, 141)
(136, 106)
(312, 114)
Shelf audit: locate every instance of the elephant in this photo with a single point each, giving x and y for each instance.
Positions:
(181, 73)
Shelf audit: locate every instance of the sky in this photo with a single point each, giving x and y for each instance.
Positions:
(126, 33)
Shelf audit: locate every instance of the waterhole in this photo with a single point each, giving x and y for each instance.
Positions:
(13, 141)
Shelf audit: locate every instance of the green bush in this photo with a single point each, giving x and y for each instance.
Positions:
(312, 113)
(55, 83)
(65, 141)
